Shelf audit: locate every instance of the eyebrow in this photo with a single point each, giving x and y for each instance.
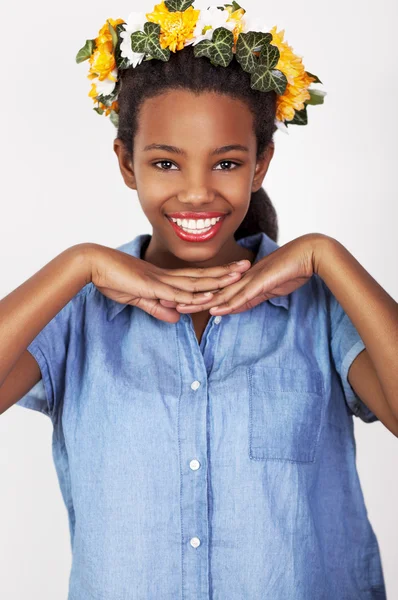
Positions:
(216, 151)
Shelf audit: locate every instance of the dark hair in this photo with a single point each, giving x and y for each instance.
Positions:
(183, 70)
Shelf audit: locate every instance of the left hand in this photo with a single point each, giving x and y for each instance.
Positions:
(280, 272)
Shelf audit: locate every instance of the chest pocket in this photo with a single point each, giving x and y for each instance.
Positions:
(285, 413)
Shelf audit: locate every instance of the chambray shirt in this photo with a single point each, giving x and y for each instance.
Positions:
(223, 470)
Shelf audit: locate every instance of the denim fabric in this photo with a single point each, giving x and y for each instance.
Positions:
(224, 470)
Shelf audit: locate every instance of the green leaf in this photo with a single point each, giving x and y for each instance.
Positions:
(98, 109)
(246, 44)
(316, 97)
(147, 42)
(114, 117)
(234, 6)
(265, 77)
(218, 49)
(85, 52)
(178, 5)
(300, 117)
(317, 80)
(113, 34)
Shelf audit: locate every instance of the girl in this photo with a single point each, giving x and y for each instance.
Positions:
(202, 380)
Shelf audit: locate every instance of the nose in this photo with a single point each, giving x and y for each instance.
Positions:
(197, 193)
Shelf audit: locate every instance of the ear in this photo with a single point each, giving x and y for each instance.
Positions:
(262, 167)
(125, 163)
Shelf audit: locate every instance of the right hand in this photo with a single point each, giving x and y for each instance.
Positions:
(130, 280)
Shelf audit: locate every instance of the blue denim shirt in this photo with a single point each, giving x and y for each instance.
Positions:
(220, 470)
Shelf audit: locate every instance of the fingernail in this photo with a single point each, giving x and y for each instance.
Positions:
(241, 262)
(207, 293)
(182, 305)
(233, 274)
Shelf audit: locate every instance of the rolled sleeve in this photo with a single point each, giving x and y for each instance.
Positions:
(346, 344)
(50, 350)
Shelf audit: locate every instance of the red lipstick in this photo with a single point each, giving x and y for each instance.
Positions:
(210, 232)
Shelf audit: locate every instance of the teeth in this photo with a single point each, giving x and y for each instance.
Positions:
(196, 225)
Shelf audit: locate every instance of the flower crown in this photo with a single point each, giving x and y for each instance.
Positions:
(219, 33)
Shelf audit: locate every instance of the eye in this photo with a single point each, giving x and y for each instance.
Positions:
(162, 161)
(230, 162)
(220, 163)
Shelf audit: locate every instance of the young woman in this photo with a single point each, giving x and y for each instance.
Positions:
(202, 380)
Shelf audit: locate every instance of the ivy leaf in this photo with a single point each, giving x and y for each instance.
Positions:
(114, 117)
(317, 97)
(113, 34)
(235, 6)
(245, 46)
(85, 52)
(317, 80)
(300, 117)
(218, 49)
(147, 42)
(265, 77)
(178, 5)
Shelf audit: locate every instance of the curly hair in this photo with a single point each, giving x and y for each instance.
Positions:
(185, 71)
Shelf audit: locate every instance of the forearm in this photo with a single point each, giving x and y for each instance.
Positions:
(372, 310)
(25, 311)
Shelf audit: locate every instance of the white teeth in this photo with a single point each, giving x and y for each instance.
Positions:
(196, 225)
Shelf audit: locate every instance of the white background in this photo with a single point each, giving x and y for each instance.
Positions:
(61, 185)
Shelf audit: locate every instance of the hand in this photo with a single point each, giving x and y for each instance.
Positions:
(130, 280)
(277, 274)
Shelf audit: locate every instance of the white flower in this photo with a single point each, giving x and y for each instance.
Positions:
(251, 22)
(135, 22)
(213, 17)
(106, 86)
(280, 125)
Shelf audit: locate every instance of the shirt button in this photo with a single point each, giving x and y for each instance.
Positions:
(217, 319)
(195, 542)
(194, 464)
(195, 385)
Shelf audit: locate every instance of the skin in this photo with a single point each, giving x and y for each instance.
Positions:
(196, 181)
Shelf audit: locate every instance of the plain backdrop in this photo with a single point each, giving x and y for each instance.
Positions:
(60, 185)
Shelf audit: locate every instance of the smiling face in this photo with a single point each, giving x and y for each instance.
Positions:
(194, 159)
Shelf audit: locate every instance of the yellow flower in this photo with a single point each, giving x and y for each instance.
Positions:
(175, 27)
(236, 16)
(102, 61)
(93, 91)
(298, 81)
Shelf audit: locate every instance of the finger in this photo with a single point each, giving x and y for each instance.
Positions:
(200, 284)
(254, 302)
(154, 308)
(245, 298)
(217, 271)
(170, 293)
(217, 299)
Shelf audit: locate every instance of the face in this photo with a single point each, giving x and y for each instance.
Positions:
(194, 160)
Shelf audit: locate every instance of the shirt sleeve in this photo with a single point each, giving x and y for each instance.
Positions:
(346, 344)
(50, 348)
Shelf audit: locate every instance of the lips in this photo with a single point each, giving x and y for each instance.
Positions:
(196, 237)
(196, 215)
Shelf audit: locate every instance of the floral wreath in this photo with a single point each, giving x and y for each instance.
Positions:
(219, 33)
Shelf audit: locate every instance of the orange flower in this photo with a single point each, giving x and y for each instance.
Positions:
(298, 81)
(102, 61)
(175, 27)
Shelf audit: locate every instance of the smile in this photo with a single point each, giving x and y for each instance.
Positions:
(196, 230)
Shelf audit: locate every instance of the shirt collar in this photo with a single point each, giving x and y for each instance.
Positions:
(259, 243)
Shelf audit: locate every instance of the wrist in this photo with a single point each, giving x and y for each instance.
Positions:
(83, 256)
(322, 247)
